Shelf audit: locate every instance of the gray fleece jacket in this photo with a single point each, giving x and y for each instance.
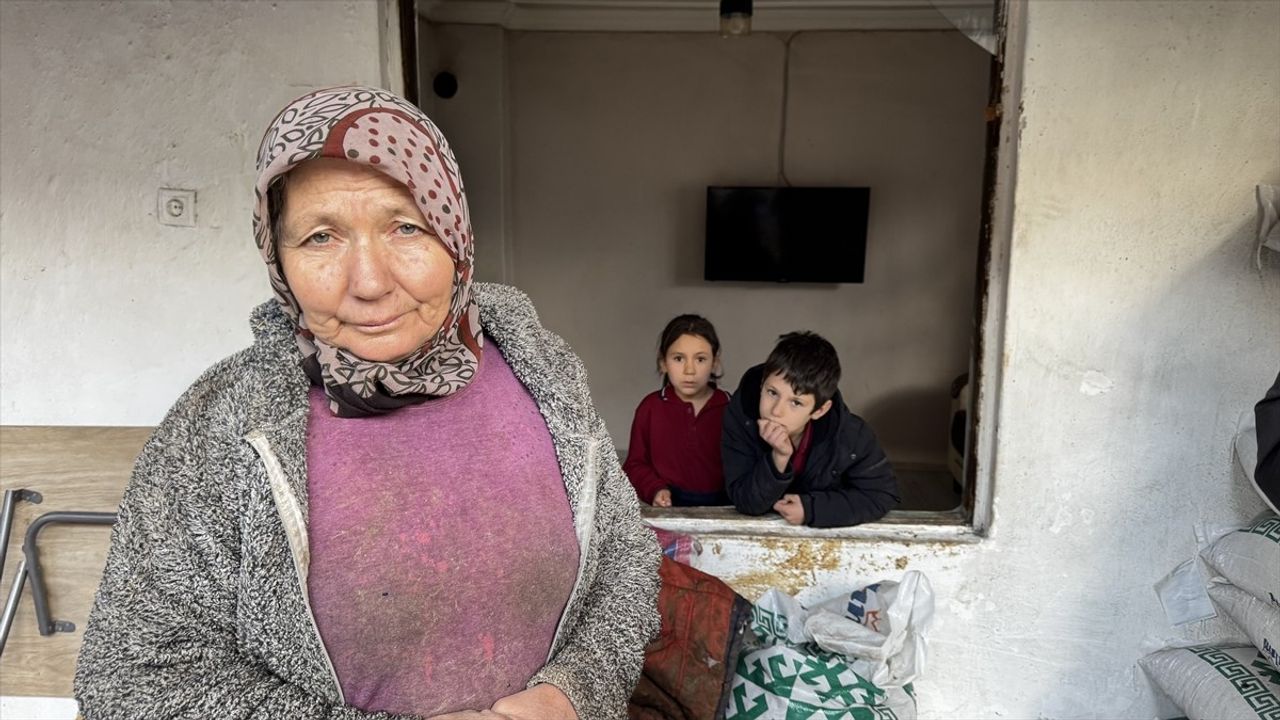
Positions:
(203, 611)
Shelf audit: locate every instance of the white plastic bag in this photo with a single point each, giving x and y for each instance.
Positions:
(882, 626)
(879, 629)
(1182, 595)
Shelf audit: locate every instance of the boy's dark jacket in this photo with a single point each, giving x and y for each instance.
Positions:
(846, 480)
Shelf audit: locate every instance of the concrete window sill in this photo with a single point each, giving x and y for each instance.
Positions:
(951, 526)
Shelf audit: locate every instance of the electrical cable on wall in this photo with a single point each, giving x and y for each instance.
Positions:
(782, 125)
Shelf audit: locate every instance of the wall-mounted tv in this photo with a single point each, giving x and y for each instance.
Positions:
(787, 234)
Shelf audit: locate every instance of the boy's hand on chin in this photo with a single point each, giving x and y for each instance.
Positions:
(790, 508)
(776, 435)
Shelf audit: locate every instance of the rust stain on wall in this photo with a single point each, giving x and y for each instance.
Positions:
(790, 565)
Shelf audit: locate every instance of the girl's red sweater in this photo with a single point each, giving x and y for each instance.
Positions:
(671, 447)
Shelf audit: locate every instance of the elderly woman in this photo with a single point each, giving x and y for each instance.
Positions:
(399, 501)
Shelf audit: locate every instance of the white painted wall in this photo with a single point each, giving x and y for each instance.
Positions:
(105, 315)
(1145, 127)
(615, 136)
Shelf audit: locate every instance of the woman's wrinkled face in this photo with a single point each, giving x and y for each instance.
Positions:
(355, 249)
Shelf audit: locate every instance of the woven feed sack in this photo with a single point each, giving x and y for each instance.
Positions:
(1249, 558)
(785, 675)
(783, 682)
(1259, 620)
(1217, 683)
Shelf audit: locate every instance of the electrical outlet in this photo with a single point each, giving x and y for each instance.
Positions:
(176, 207)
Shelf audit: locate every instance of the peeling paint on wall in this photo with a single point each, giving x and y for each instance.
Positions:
(1095, 383)
(812, 569)
(790, 565)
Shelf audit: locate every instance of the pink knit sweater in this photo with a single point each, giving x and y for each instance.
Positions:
(442, 546)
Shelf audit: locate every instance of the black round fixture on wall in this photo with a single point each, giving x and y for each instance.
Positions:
(444, 85)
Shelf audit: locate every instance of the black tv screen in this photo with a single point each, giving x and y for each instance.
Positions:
(787, 234)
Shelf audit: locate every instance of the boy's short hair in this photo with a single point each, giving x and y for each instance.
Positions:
(808, 362)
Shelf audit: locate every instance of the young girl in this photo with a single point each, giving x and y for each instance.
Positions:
(674, 458)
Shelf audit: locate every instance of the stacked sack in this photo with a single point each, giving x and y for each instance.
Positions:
(1239, 681)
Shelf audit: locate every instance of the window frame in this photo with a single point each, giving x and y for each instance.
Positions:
(973, 519)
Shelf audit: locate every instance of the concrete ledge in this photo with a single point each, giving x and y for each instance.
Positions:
(951, 526)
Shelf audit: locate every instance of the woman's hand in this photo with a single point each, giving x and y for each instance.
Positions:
(662, 498)
(540, 702)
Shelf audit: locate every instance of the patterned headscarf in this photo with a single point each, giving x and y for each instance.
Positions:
(379, 129)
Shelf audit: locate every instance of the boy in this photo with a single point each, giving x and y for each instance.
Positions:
(790, 444)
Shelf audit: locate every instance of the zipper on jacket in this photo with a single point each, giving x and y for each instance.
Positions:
(295, 530)
(584, 520)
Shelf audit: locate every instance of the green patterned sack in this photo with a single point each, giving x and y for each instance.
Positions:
(785, 675)
(1250, 558)
(1259, 620)
(779, 682)
(1212, 683)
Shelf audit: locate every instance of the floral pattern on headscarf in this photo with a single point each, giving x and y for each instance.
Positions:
(379, 129)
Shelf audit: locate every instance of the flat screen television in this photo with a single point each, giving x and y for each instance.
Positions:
(787, 234)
